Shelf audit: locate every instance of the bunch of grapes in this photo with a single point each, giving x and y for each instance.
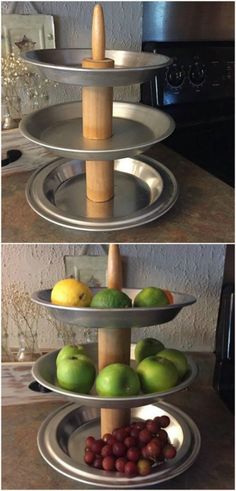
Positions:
(131, 450)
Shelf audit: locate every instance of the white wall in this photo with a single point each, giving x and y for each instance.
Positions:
(123, 21)
(195, 269)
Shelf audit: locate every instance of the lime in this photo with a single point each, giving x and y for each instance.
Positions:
(71, 293)
(151, 297)
(110, 298)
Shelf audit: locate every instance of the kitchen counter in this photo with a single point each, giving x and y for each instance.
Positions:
(204, 211)
(24, 468)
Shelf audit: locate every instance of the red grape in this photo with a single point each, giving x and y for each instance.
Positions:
(121, 434)
(130, 441)
(163, 435)
(131, 469)
(111, 440)
(153, 449)
(106, 437)
(169, 451)
(120, 464)
(89, 441)
(108, 463)
(97, 445)
(144, 452)
(144, 467)
(133, 453)
(89, 457)
(98, 462)
(128, 429)
(134, 432)
(157, 420)
(140, 425)
(106, 450)
(152, 426)
(119, 449)
(145, 436)
(164, 421)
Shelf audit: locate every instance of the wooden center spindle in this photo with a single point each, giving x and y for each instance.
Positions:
(97, 103)
(114, 345)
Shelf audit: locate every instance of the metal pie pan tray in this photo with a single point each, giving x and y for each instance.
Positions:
(62, 435)
(88, 317)
(144, 190)
(135, 128)
(44, 371)
(64, 66)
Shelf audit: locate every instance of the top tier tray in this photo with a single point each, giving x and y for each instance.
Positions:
(64, 66)
(114, 318)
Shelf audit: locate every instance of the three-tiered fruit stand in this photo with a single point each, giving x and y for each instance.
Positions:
(61, 438)
(102, 182)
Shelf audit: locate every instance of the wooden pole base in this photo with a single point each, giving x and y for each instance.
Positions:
(114, 418)
(99, 180)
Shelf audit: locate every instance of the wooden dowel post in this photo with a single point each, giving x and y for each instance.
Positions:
(113, 345)
(97, 103)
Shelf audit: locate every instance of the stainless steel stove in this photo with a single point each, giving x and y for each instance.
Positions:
(198, 88)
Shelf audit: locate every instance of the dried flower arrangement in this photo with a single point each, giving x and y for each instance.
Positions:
(18, 309)
(18, 81)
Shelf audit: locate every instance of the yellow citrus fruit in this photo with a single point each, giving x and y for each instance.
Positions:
(71, 293)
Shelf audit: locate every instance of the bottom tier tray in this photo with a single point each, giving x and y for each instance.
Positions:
(62, 435)
(144, 190)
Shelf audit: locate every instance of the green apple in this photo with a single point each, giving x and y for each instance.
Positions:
(151, 297)
(68, 351)
(147, 347)
(157, 374)
(178, 358)
(117, 380)
(76, 373)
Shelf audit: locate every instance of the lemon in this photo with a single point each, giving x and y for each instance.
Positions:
(71, 293)
(110, 298)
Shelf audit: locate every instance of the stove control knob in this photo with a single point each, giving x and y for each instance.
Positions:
(175, 75)
(197, 73)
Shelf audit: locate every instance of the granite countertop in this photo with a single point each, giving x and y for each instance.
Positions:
(204, 211)
(24, 468)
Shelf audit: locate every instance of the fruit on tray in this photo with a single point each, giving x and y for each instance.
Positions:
(117, 380)
(131, 455)
(110, 298)
(178, 358)
(68, 351)
(147, 347)
(157, 374)
(76, 373)
(153, 297)
(71, 293)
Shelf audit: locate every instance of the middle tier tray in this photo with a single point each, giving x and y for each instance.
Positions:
(44, 371)
(58, 128)
(88, 317)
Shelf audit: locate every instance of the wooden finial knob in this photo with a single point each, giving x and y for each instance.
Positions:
(114, 267)
(98, 34)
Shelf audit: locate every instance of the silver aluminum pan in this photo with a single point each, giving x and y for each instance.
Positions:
(62, 435)
(135, 128)
(44, 371)
(64, 66)
(144, 191)
(88, 317)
